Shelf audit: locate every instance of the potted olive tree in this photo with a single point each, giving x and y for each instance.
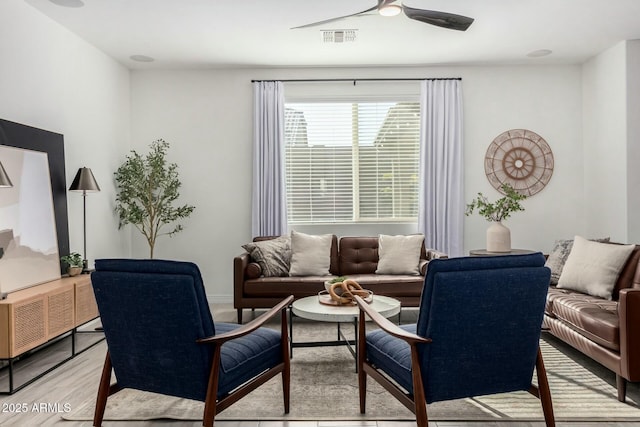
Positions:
(498, 235)
(147, 188)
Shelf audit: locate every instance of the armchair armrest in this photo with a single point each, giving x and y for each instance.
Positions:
(388, 326)
(363, 366)
(249, 327)
(629, 316)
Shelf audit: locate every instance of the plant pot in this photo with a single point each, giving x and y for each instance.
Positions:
(498, 238)
(74, 271)
(327, 286)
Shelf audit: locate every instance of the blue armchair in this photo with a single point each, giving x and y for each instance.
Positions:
(477, 333)
(161, 338)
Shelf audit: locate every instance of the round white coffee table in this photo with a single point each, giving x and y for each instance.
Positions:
(312, 309)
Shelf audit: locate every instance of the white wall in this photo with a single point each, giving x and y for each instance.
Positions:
(207, 117)
(51, 79)
(605, 144)
(633, 141)
(546, 100)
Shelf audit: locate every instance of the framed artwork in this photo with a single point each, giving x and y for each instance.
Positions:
(28, 240)
(42, 146)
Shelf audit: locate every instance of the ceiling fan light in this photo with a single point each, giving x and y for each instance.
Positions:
(390, 10)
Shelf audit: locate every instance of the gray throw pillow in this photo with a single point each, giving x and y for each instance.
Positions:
(559, 254)
(273, 256)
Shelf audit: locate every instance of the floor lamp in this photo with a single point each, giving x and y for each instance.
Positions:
(5, 182)
(86, 183)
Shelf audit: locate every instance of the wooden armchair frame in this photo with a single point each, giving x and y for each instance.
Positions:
(213, 406)
(416, 402)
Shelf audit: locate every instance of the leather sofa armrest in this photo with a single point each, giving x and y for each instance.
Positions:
(240, 264)
(434, 254)
(431, 254)
(629, 315)
(422, 266)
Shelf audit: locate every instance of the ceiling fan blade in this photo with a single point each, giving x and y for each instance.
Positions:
(326, 21)
(441, 19)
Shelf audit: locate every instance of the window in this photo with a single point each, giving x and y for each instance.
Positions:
(352, 162)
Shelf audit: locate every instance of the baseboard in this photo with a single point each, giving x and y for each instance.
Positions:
(220, 299)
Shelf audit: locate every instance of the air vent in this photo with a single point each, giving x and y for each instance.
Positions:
(338, 36)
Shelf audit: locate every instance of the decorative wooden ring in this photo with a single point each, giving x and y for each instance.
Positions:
(334, 296)
(349, 288)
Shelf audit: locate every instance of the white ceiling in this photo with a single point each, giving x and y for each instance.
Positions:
(250, 33)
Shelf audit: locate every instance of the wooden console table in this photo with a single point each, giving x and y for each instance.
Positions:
(33, 318)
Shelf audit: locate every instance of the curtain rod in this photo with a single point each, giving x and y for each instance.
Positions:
(356, 80)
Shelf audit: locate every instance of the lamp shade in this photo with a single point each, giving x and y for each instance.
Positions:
(4, 178)
(84, 181)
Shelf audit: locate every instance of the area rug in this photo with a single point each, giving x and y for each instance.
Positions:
(324, 387)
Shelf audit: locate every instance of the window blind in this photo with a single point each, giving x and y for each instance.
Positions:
(352, 161)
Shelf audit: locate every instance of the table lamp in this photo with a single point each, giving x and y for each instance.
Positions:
(86, 183)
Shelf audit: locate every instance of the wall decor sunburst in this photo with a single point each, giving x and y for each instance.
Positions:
(520, 158)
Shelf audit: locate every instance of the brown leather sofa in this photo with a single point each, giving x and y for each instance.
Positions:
(607, 331)
(355, 257)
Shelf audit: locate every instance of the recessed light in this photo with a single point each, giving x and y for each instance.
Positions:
(539, 53)
(141, 58)
(68, 3)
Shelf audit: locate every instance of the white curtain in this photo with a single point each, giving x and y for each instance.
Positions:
(269, 203)
(441, 197)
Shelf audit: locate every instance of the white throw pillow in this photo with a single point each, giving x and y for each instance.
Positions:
(593, 268)
(399, 254)
(558, 256)
(310, 254)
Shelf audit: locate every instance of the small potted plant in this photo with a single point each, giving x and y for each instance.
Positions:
(328, 283)
(74, 263)
(498, 235)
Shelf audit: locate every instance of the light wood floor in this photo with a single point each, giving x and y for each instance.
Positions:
(76, 380)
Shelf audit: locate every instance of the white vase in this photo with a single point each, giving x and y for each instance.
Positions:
(498, 237)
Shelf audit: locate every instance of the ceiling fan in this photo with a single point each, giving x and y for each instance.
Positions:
(388, 8)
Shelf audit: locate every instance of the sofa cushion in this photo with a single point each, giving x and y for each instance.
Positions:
(302, 286)
(400, 285)
(253, 270)
(358, 255)
(392, 353)
(243, 358)
(273, 256)
(399, 254)
(310, 254)
(593, 268)
(558, 257)
(593, 317)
